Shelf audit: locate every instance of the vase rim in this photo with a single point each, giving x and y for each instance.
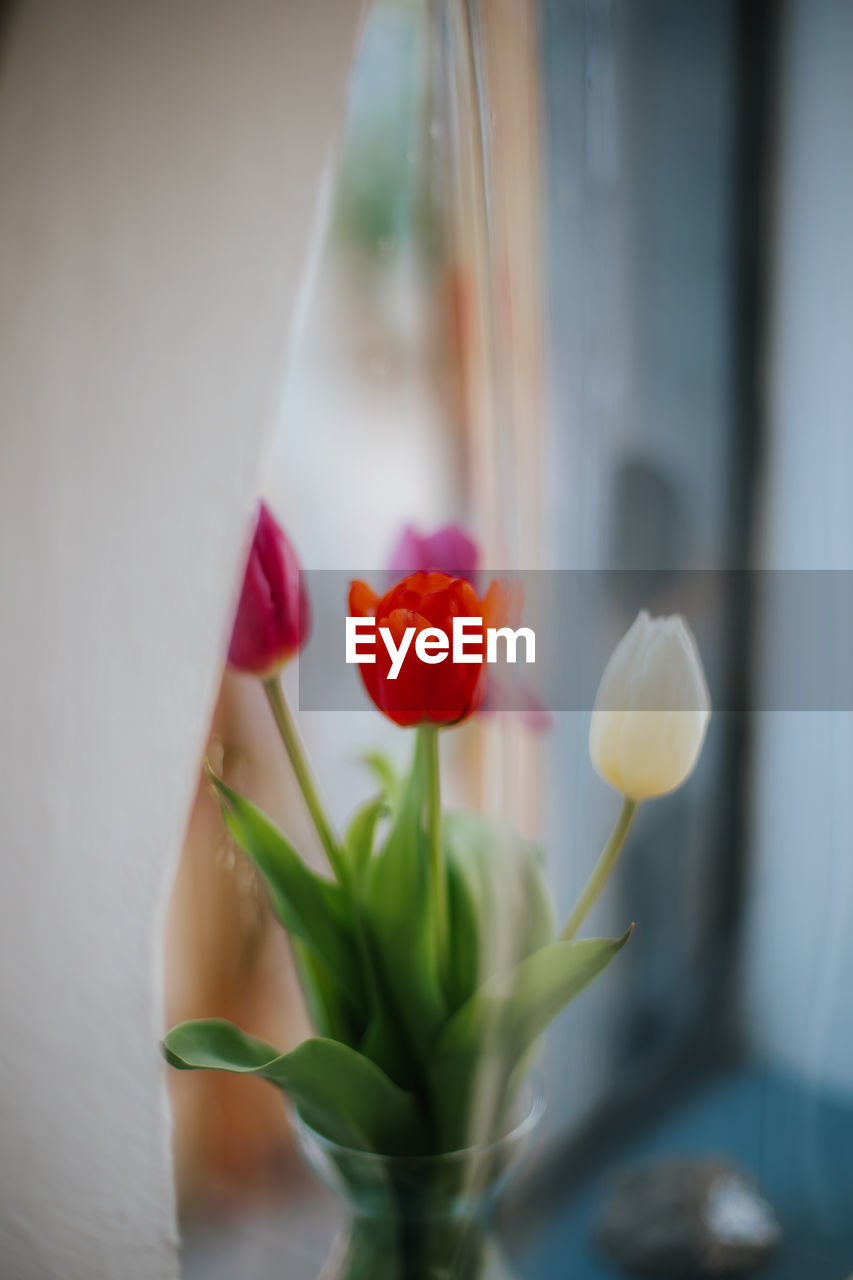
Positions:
(524, 1127)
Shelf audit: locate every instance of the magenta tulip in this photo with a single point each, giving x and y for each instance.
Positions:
(448, 550)
(273, 618)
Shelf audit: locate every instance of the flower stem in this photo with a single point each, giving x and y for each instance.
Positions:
(295, 750)
(438, 879)
(601, 871)
(293, 742)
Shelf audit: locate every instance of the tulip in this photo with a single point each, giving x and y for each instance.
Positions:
(451, 550)
(273, 619)
(437, 693)
(651, 710)
(448, 550)
(648, 725)
(272, 624)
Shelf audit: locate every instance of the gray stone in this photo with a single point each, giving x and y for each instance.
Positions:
(686, 1219)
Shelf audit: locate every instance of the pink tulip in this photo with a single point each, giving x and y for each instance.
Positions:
(273, 618)
(448, 550)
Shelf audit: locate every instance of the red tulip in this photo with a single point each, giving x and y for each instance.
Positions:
(273, 618)
(440, 693)
(451, 550)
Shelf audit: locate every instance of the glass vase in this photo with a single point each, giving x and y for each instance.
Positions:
(419, 1217)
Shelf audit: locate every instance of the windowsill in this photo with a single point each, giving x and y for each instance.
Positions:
(794, 1141)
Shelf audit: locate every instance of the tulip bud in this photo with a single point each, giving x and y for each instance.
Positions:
(273, 619)
(651, 710)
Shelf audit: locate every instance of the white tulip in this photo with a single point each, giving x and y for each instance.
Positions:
(651, 710)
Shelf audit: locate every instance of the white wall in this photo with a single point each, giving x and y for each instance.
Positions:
(159, 167)
(800, 927)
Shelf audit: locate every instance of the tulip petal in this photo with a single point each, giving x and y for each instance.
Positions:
(449, 550)
(362, 600)
(503, 602)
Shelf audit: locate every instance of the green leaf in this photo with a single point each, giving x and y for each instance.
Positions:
(385, 774)
(329, 1007)
(512, 1010)
(381, 1040)
(361, 833)
(337, 1091)
(500, 906)
(480, 1047)
(313, 909)
(398, 910)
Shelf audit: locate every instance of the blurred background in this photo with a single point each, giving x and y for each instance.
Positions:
(582, 281)
(584, 285)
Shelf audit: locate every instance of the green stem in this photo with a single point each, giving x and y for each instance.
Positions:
(601, 871)
(438, 879)
(293, 743)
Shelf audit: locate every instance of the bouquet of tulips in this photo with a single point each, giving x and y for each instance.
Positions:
(429, 957)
